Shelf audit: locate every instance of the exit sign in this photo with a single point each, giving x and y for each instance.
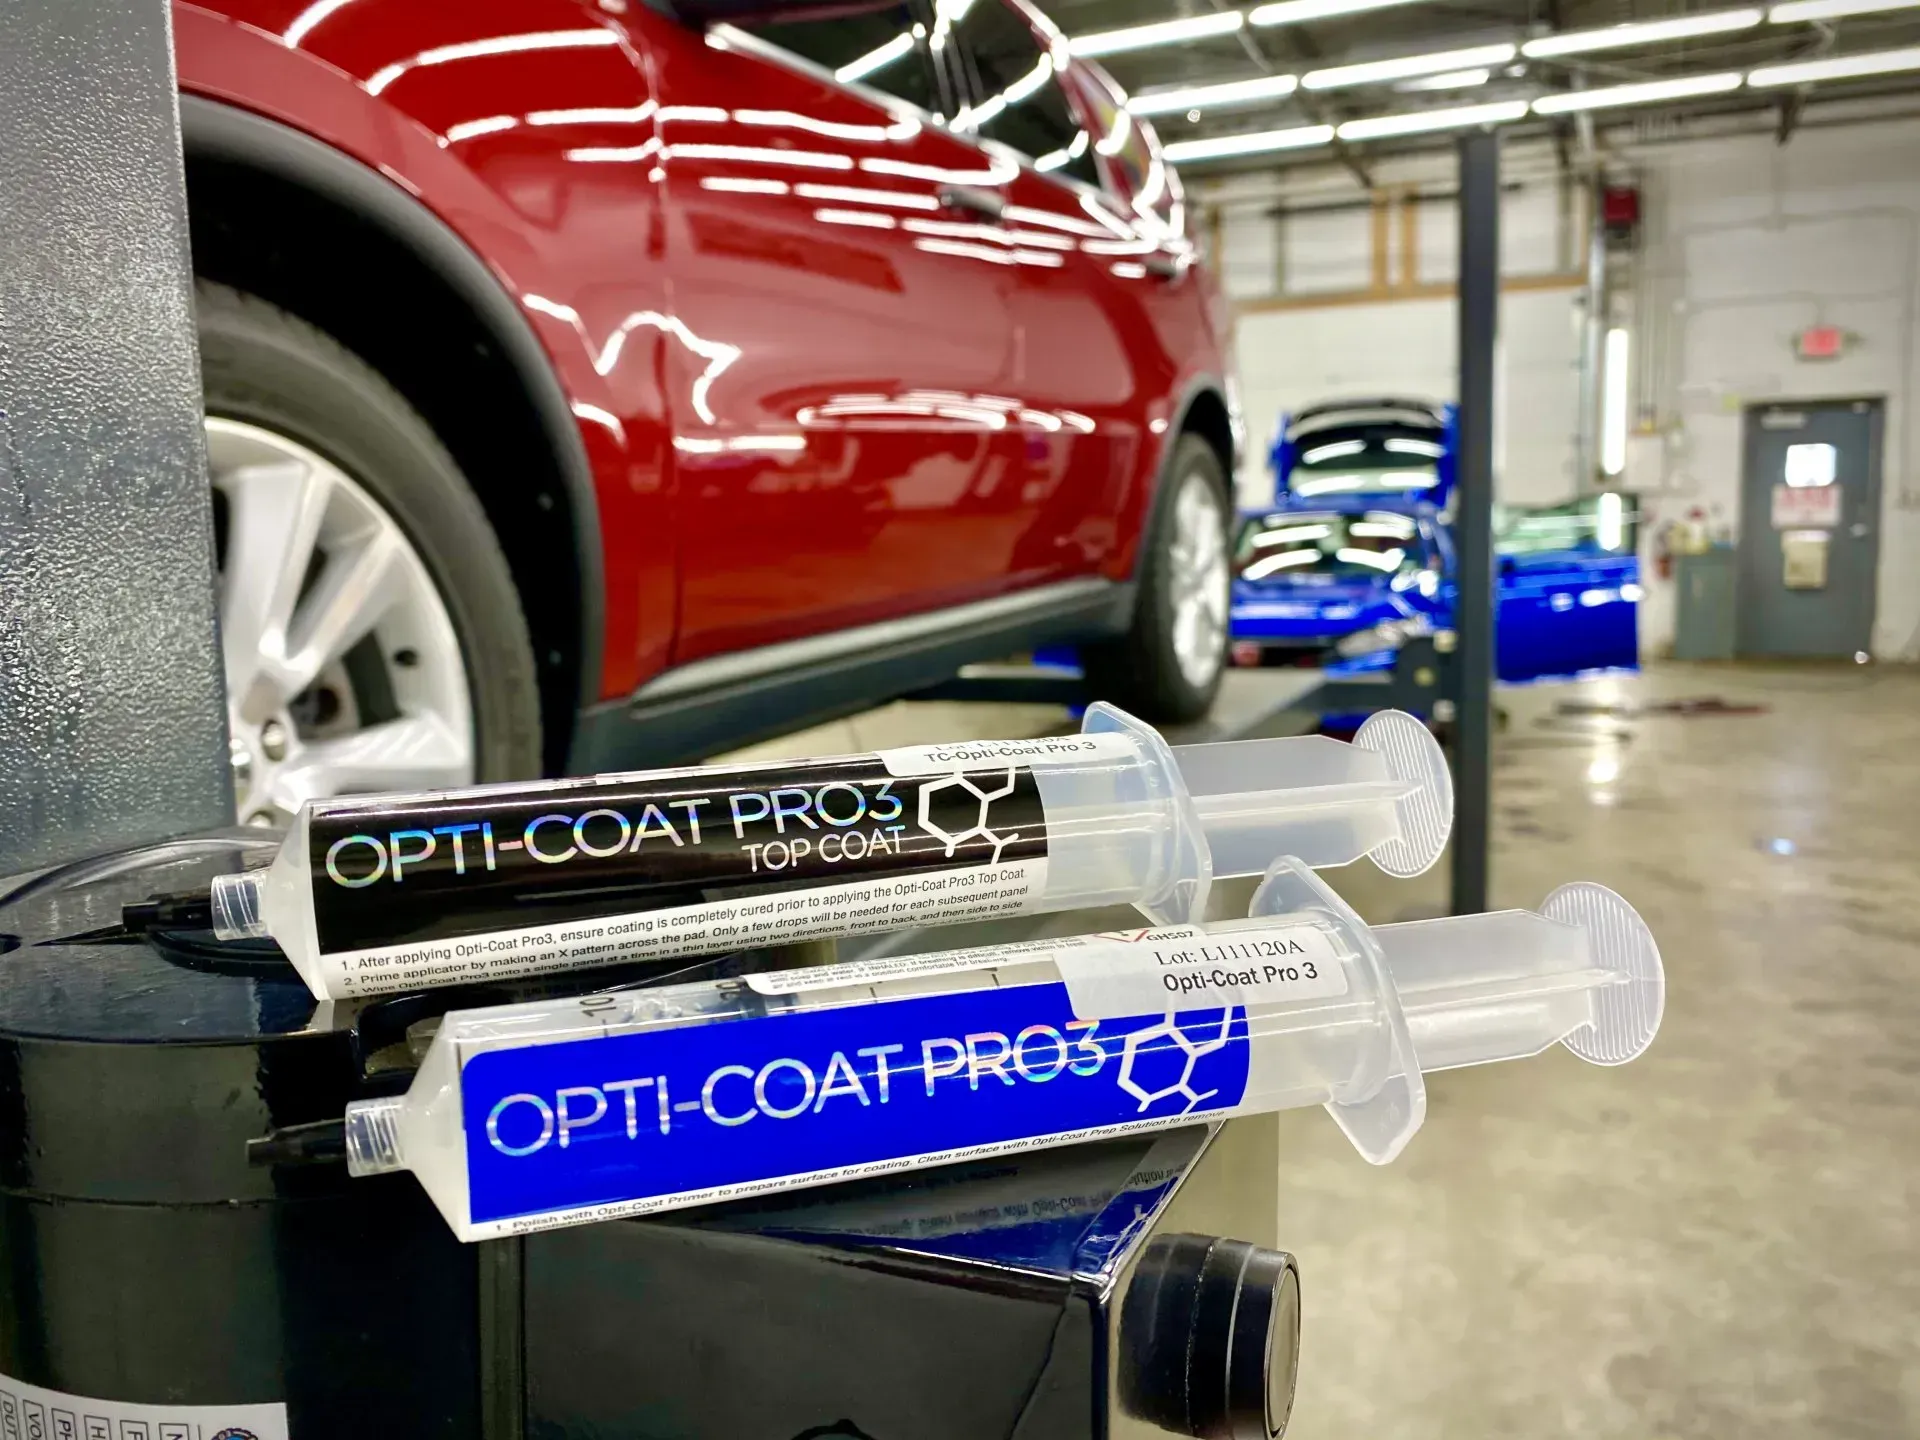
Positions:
(1820, 342)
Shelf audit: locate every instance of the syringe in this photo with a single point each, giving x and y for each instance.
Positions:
(375, 894)
(556, 1113)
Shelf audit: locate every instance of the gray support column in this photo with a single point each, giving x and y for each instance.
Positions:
(1473, 517)
(1593, 339)
(112, 718)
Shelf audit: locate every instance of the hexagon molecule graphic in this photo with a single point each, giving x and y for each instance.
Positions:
(1187, 1045)
(953, 839)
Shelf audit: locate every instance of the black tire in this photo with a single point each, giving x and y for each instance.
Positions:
(265, 367)
(1140, 671)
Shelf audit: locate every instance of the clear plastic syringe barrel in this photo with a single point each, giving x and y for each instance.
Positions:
(1409, 998)
(1582, 971)
(1187, 815)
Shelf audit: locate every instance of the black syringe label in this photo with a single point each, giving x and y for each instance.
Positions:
(445, 867)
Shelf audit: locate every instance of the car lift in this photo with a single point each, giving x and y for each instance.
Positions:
(1252, 703)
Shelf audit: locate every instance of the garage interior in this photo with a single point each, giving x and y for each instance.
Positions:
(1709, 1242)
(1708, 308)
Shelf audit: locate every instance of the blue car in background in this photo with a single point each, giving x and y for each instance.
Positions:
(1355, 556)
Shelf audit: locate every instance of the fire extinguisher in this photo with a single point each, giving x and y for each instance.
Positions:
(1686, 536)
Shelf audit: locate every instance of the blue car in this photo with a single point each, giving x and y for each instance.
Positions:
(1355, 556)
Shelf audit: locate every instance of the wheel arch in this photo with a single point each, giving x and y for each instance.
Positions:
(1204, 412)
(282, 215)
(1201, 410)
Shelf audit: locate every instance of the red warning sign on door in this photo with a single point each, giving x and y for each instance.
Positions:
(1811, 507)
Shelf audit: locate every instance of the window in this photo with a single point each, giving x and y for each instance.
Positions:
(1602, 522)
(1147, 182)
(1365, 455)
(884, 50)
(1811, 465)
(1016, 100)
(1330, 546)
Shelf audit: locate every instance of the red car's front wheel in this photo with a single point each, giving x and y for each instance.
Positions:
(1168, 666)
(370, 631)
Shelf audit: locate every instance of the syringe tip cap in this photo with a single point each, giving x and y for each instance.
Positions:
(1425, 813)
(1626, 1017)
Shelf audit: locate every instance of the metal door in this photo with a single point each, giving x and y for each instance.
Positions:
(1809, 527)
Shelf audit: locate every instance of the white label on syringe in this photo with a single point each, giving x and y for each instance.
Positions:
(1035, 754)
(1182, 969)
(883, 968)
(859, 907)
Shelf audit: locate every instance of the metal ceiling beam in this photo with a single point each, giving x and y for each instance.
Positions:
(1309, 105)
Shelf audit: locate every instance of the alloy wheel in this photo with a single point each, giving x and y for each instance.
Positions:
(1201, 584)
(344, 672)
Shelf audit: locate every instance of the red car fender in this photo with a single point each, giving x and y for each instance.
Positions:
(373, 80)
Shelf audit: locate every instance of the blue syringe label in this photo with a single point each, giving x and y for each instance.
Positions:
(622, 1124)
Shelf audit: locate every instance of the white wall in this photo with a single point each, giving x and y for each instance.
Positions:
(1746, 243)
(1294, 357)
(1743, 244)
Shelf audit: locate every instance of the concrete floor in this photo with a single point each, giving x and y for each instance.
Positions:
(1720, 1240)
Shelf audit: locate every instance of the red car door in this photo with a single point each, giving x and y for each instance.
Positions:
(1083, 382)
(1162, 299)
(839, 358)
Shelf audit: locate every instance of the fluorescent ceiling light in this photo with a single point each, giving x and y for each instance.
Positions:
(304, 22)
(744, 185)
(495, 45)
(1299, 138)
(1053, 160)
(1453, 80)
(1296, 12)
(1163, 32)
(876, 59)
(597, 115)
(1381, 526)
(1290, 535)
(1267, 564)
(1647, 94)
(849, 194)
(1211, 97)
(1611, 37)
(1373, 72)
(1414, 122)
(1387, 560)
(871, 219)
(1797, 12)
(1332, 451)
(1846, 67)
(1613, 521)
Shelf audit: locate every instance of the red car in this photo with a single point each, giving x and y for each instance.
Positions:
(591, 385)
